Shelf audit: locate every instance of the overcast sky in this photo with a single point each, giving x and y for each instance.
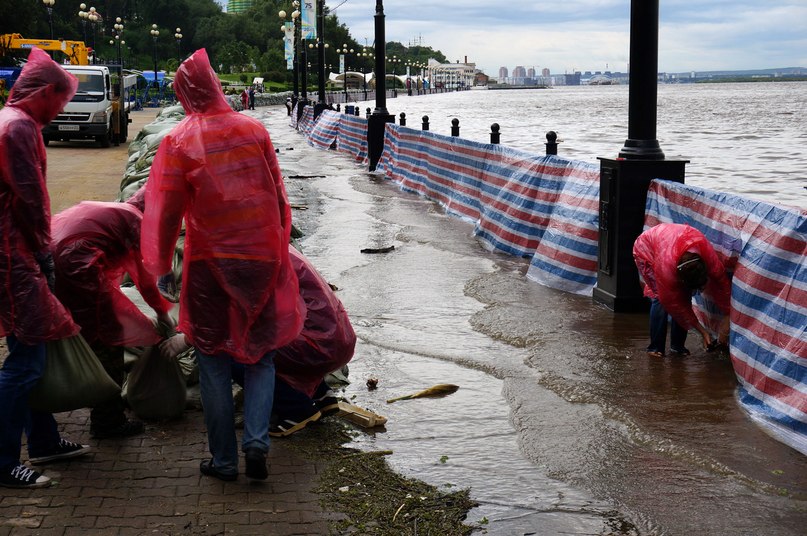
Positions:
(583, 35)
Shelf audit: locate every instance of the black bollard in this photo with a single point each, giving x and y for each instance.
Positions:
(425, 125)
(494, 133)
(338, 108)
(356, 111)
(403, 119)
(455, 127)
(368, 112)
(551, 143)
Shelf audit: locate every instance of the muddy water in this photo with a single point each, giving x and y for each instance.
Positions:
(561, 425)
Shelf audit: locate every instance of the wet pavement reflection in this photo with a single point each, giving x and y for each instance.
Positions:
(562, 423)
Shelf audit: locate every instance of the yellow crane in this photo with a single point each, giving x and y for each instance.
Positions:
(76, 51)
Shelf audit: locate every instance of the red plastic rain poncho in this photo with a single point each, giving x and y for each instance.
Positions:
(94, 245)
(657, 252)
(327, 340)
(28, 310)
(218, 169)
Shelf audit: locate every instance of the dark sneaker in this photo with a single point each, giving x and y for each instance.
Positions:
(127, 428)
(23, 476)
(328, 403)
(63, 451)
(256, 464)
(680, 352)
(282, 427)
(207, 469)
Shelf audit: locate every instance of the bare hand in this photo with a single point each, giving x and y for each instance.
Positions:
(173, 346)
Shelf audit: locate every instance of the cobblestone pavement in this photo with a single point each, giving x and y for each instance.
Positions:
(151, 484)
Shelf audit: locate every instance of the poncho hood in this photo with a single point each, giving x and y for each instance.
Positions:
(43, 88)
(197, 86)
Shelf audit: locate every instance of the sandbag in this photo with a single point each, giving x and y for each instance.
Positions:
(155, 387)
(74, 378)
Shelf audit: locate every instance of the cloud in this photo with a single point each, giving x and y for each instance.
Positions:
(590, 34)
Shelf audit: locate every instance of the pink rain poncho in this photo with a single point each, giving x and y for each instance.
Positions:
(327, 340)
(94, 245)
(28, 310)
(217, 169)
(657, 252)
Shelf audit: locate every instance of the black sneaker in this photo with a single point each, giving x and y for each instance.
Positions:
(207, 469)
(23, 476)
(328, 403)
(63, 451)
(256, 464)
(282, 427)
(127, 428)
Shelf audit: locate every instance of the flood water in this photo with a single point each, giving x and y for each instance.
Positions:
(562, 424)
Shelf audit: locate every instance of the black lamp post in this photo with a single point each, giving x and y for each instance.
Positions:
(155, 33)
(321, 46)
(343, 65)
(295, 21)
(376, 123)
(624, 181)
(178, 37)
(83, 15)
(49, 6)
(93, 17)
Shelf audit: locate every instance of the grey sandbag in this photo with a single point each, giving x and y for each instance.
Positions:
(155, 387)
(74, 378)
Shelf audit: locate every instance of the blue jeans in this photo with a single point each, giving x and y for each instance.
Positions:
(20, 373)
(658, 331)
(216, 384)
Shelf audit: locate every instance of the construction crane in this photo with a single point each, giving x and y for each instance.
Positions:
(76, 51)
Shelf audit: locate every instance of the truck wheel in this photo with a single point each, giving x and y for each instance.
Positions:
(46, 140)
(124, 129)
(105, 140)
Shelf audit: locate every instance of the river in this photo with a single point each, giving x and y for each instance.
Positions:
(744, 138)
(562, 424)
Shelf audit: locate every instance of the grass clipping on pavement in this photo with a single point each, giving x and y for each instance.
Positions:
(374, 499)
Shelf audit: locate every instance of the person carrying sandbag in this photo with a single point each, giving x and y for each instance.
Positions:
(94, 245)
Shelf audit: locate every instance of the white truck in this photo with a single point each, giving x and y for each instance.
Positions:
(100, 108)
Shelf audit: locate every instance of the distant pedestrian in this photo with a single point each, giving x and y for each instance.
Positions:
(30, 314)
(94, 245)
(252, 97)
(676, 261)
(240, 299)
(245, 99)
(289, 105)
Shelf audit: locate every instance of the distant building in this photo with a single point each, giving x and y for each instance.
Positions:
(545, 72)
(502, 73)
(519, 72)
(239, 6)
(531, 72)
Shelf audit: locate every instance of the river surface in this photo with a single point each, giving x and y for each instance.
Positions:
(562, 424)
(745, 138)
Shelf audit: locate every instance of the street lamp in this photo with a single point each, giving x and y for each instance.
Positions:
(295, 20)
(83, 15)
(343, 65)
(367, 55)
(118, 27)
(178, 37)
(155, 33)
(93, 17)
(49, 6)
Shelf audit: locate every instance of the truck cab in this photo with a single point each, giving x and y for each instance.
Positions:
(97, 111)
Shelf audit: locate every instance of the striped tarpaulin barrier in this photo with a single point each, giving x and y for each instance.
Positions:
(541, 207)
(306, 122)
(768, 340)
(352, 137)
(293, 117)
(324, 132)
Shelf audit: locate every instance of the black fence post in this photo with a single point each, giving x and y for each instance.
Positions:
(495, 137)
(455, 127)
(368, 112)
(551, 143)
(403, 119)
(425, 125)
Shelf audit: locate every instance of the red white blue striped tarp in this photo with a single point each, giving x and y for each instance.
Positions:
(352, 137)
(306, 121)
(541, 207)
(768, 296)
(325, 130)
(293, 117)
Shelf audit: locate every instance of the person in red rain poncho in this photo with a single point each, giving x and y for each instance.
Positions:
(675, 261)
(30, 314)
(245, 99)
(240, 301)
(94, 245)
